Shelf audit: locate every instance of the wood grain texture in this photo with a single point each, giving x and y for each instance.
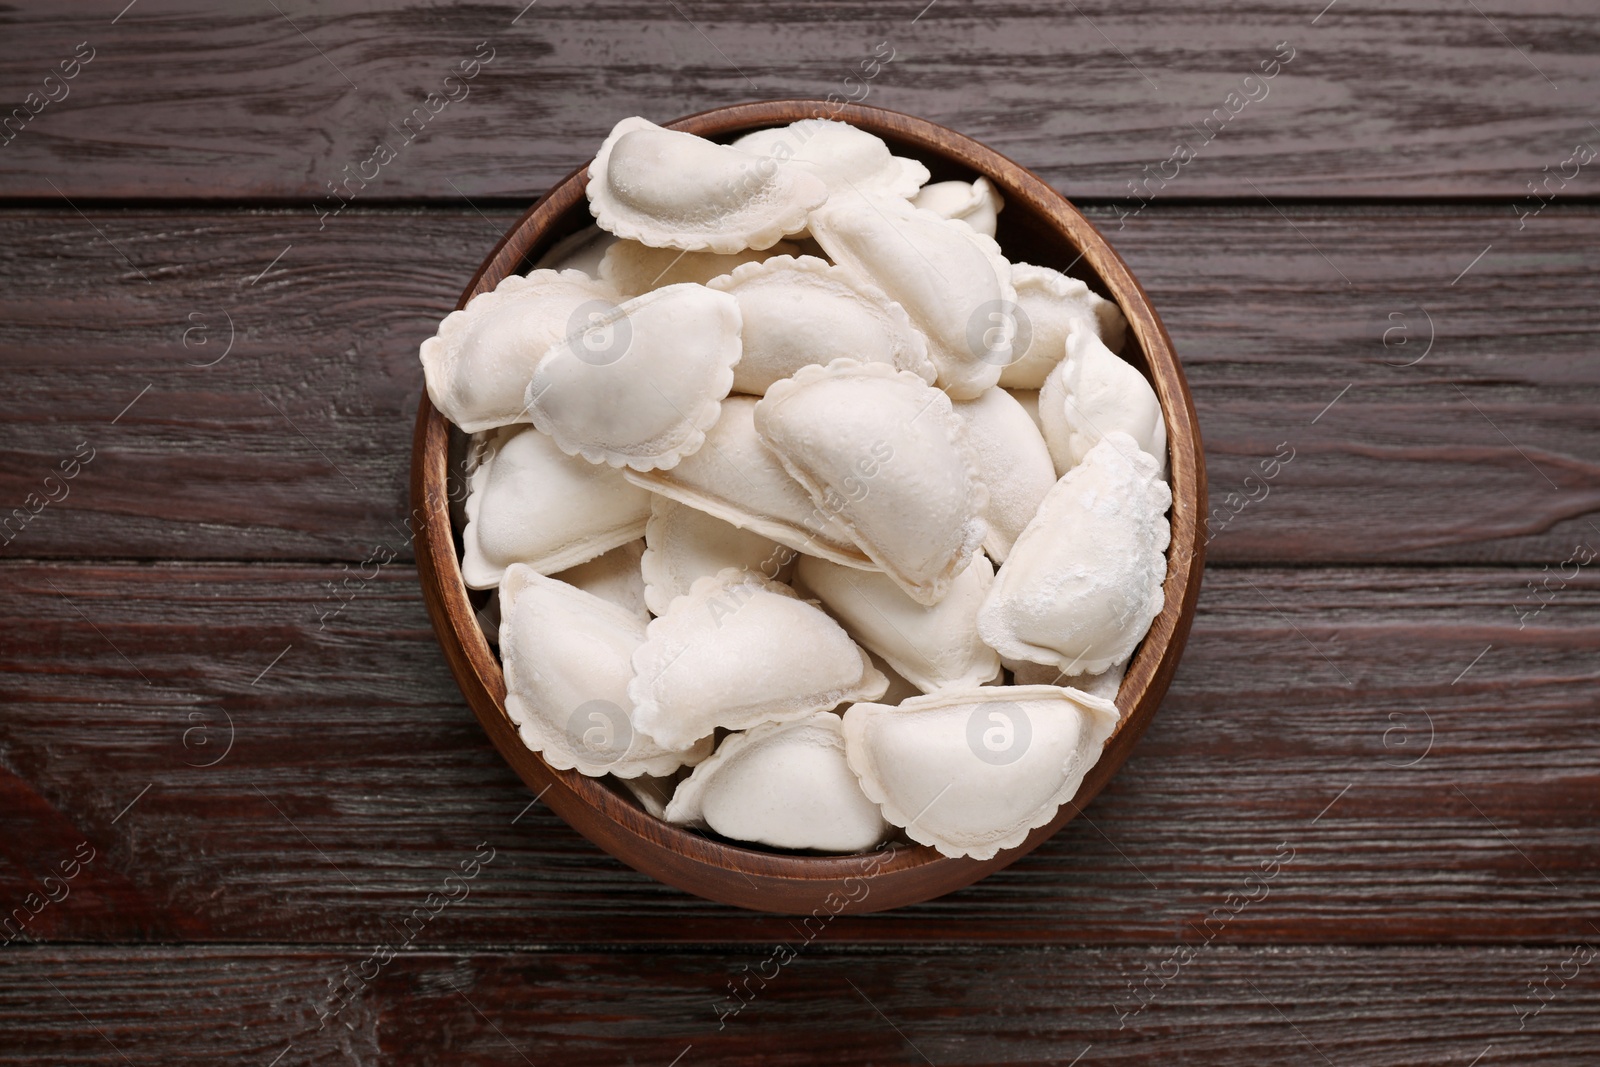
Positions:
(296, 445)
(1396, 1007)
(357, 779)
(1367, 808)
(183, 99)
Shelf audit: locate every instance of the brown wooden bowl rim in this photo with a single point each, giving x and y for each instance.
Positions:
(749, 877)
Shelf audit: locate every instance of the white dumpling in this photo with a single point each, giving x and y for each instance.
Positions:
(1094, 392)
(1106, 685)
(1013, 464)
(582, 251)
(847, 160)
(1053, 306)
(738, 650)
(974, 203)
(567, 657)
(883, 451)
(786, 785)
(930, 646)
(615, 576)
(952, 281)
(640, 382)
(899, 687)
(531, 503)
(480, 362)
(632, 269)
(670, 189)
(972, 771)
(685, 543)
(1084, 581)
(799, 312)
(1029, 399)
(740, 480)
(653, 793)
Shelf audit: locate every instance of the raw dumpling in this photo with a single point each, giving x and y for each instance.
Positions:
(582, 251)
(786, 785)
(1105, 685)
(685, 543)
(1084, 581)
(567, 656)
(532, 503)
(1094, 393)
(797, 312)
(971, 771)
(847, 160)
(740, 480)
(633, 269)
(653, 793)
(479, 363)
(1029, 399)
(1053, 306)
(639, 383)
(738, 650)
(975, 204)
(899, 688)
(952, 281)
(930, 646)
(615, 576)
(670, 189)
(883, 451)
(1013, 464)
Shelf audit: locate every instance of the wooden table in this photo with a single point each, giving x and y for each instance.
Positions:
(1363, 829)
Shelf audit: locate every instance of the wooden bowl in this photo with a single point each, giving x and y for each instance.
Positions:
(1037, 226)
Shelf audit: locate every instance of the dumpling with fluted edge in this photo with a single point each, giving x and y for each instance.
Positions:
(633, 269)
(976, 203)
(477, 367)
(1094, 392)
(884, 451)
(846, 159)
(1013, 462)
(1106, 684)
(737, 650)
(638, 383)
(529, 502)
(952, 281)
(670, 189)
(786, 785)
(1084, 581)
(929, 646)
(568, 659)
(1050, 307)
(803, 311)
(972, 771)
(615, 576)
(741, 481)
(684, 544)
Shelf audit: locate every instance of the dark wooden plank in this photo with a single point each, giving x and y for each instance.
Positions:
(1427, 756)
(1404, 1007)
(1426, 99)
(296, 444)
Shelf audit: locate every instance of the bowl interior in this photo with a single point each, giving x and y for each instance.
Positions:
(1036, 226)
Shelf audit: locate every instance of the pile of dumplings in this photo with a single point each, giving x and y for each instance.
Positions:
(809, 516)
